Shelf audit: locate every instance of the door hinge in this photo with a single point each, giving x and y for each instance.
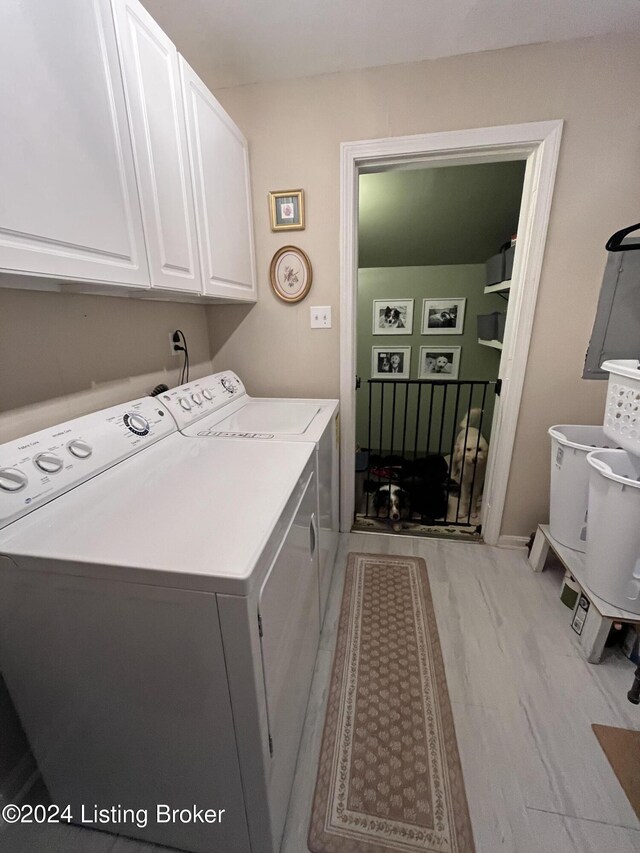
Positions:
(260, 625)
(498, 387)
(358, 383)
(270, 745)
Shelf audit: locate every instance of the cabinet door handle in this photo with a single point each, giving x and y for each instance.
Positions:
(312, 535)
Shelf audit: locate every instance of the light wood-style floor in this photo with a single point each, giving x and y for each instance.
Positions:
(523, 702)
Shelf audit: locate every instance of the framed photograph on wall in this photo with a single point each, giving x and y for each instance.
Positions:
(390, 362)
(439, 363)
(286, 209)
(290, 274)
(443, 316)
(392, 316)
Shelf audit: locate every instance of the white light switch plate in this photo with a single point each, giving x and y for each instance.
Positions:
(321, 316)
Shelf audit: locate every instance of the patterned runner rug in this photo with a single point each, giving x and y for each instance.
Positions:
(389, 777)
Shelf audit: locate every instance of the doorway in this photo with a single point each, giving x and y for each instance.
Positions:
(536, 144)
(435, 257)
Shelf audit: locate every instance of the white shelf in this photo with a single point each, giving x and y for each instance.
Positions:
(494, 344)
(574, 562)
(499, 287)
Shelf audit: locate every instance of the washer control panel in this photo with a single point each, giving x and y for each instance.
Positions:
(41, 466)
(188, 403)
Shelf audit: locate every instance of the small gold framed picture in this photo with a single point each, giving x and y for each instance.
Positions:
(286, 209)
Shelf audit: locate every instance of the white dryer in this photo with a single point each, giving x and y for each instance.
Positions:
(159, 622)
(219, 407)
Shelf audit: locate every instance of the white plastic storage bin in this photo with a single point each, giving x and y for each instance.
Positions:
(613, 538)
(622, 410)
(570, 481)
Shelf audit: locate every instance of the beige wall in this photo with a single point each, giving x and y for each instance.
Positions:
(294, 130)
(63, 355)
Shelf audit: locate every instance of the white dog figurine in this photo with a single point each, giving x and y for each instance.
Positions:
(468, 466)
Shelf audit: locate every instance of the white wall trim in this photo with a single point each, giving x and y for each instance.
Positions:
(539, 144)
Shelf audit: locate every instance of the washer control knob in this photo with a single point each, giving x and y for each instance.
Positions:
(79, 448)
(136, 423)
(12, 480)
(186, 405)
(48, 462)
(228, 385)
(207, 394)
(197, 399)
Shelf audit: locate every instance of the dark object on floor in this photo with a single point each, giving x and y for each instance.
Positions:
(389, 776)
(634, 694)
(423, 480)
(426, 484)
(622, 748)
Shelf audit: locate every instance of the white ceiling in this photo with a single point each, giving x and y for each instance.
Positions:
(231, 42)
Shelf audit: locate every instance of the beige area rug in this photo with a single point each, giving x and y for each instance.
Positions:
(389, 777)
(622, 748)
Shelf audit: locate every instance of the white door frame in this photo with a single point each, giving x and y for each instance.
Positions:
(539, 144)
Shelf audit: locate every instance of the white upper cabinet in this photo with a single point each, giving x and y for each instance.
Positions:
(156, 112)
(219, 159)
(69, 204)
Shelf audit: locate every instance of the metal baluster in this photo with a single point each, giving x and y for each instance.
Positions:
(475, 461)
(381, 422)
(453, 440)
(369, 447)
(404, 421)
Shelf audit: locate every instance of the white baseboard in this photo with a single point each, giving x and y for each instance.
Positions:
(513, 541)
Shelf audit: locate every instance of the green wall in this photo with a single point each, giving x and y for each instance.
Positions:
(476, 362)
(444, 215)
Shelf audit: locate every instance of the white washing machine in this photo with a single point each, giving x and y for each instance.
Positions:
(219, 407)
(159, 622)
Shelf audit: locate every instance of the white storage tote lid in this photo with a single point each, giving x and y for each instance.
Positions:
(570, 445)
(622, 409)
(612, 563)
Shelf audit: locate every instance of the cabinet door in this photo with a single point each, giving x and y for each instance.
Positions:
(156, 113)
(220, 166)
(69, 204)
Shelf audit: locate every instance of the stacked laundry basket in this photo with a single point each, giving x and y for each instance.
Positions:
(595, 490)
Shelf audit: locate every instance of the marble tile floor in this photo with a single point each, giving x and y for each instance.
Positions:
(523, 701)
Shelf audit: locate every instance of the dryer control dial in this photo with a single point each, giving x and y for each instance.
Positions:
(136, 423)
(79, 448)
(48, 462)
(12, 480)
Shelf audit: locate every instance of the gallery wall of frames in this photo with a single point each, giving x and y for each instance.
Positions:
(421, 323)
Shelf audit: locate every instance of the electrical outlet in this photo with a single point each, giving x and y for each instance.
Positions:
(172, 344)
(320, 316)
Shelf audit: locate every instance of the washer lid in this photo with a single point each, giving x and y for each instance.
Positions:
(191, 514)
(275, 416)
